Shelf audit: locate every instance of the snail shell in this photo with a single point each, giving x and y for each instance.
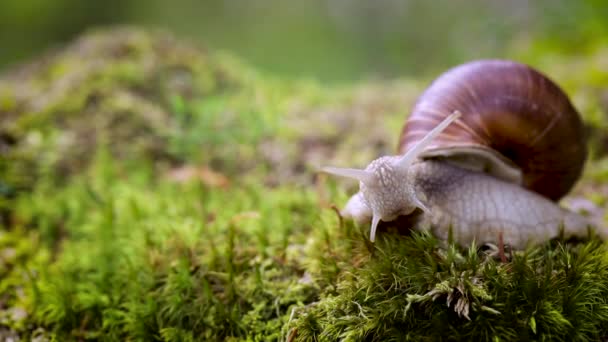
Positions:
(516, 124)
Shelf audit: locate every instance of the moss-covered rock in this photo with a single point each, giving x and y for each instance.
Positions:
(120, 87)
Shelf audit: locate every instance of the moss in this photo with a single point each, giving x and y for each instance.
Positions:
(412, 289)
(165, 261)
(108, 87)
(142, 262)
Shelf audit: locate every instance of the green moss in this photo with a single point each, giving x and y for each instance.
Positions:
(165, 261)
(136, 261)
(113, 87)
(413, 289)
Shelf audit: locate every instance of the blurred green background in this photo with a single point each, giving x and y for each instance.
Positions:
(331, 40)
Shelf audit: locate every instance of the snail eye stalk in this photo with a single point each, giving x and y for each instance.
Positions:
(360, 175)
(412, 154)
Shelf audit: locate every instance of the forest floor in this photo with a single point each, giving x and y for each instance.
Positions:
(152, 190)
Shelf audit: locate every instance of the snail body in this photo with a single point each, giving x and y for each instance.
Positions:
(488, 148)
(479, 207)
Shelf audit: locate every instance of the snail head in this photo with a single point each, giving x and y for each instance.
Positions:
(385, 184)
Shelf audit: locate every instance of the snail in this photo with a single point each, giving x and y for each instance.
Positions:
(488, 149)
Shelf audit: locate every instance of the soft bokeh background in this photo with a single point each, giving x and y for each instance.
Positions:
(331, 40)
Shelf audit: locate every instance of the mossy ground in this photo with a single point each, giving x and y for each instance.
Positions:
(153, 191)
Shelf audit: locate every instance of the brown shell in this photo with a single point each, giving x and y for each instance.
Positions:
(511, 109)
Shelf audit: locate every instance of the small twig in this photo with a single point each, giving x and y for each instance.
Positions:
(292, 333)
(340, 218)
(501, 248)
(320, 187)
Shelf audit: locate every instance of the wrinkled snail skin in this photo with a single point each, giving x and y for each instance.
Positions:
(479, 207)
(488, 149)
